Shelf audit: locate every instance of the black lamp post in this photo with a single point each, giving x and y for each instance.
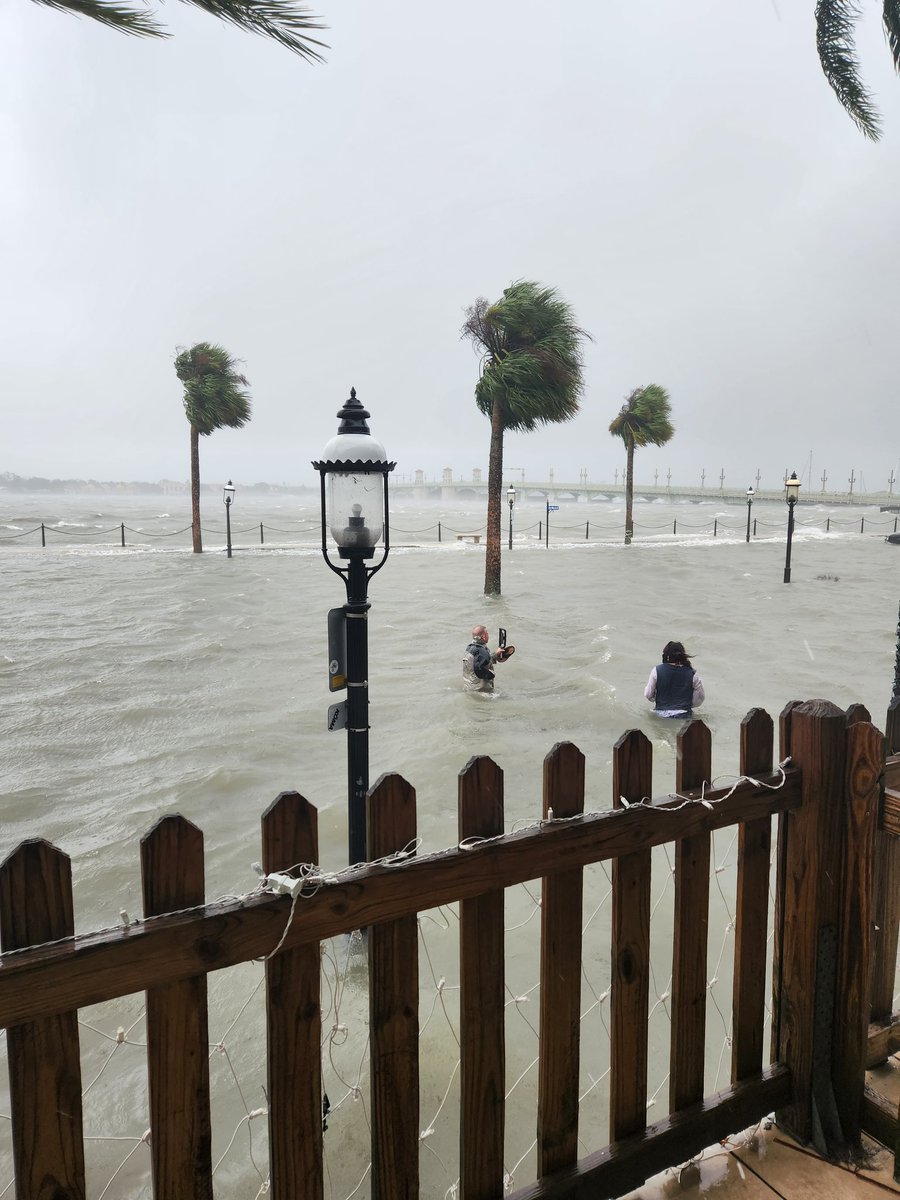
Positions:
(355, 509)
(750, 495)
(510, 499)
(791, 492)
(228, 496)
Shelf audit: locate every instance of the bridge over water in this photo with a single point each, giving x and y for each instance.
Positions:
(552, 491)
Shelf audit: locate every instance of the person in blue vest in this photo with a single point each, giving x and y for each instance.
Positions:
(674, 685)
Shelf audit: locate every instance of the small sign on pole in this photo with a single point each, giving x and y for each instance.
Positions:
(337, 649)
(337, 716)
(552, 508)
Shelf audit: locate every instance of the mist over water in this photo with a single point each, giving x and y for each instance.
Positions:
(148, 680)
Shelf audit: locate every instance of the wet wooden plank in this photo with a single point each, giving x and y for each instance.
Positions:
(752, 907)
(393, 1007)
(482, 997)
(560, 1019)
(687, 1053)
(294, 1018)
(177, 1024)
(43, 1056)
(630, 971)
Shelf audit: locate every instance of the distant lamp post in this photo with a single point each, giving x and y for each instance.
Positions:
(750, 495)
(510, 500)
(354, 501)
(791, 492)
(228, 497)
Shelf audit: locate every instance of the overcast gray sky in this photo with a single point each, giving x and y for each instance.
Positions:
(680, 172)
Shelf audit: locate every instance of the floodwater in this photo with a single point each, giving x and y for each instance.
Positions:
(147, 680)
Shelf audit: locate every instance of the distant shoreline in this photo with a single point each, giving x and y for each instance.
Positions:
(163, 487)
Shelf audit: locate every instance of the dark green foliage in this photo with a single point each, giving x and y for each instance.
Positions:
(835, 28)
(532, 356)
(644, 418)
(214, 395)
(283, 20)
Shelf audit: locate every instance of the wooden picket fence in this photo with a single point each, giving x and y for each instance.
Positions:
(827, 799)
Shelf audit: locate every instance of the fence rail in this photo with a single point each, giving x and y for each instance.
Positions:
(826, 798)
(308, 534)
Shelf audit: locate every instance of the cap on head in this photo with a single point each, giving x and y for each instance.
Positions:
(480, 634)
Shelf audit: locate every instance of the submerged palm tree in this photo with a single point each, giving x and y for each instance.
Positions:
(283, 20)
(532, 374)
(214, 397)
(835, 27)
(643, 420)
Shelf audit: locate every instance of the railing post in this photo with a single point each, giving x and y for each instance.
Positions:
(865, 761)
(482, 1019)
(44, 1060)
(123, 533)
(715, 527)
(439, 531)
(675, 526)
(43, 535)
(393, 1007)
(809, 911)
(827, 524)
(587, 527)
(172, 878)
(262, 540)
(294, 1019)
(630, 970)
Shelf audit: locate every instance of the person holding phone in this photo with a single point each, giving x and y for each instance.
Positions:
(479, 660)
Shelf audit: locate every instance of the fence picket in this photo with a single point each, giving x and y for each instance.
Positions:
(865, 759)
(560, 1017)
(43, 1056)
(687, 1052)
(482, 996)
(752, 907)
(294, 1018)
(172, 878)
(630, 971)
(394, 1007)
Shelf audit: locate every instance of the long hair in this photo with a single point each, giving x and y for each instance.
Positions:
(674, 653)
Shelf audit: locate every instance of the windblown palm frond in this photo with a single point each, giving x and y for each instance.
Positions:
(891, 19)
(532, 374)
(533, 366)
(214, 391)
(644, 418)
(835, 26)
(282, 20)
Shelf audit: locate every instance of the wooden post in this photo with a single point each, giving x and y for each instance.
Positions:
(294, 1018)
(43, 1056)
(865, 758)
(560, 1021)
(393, 1007)
(887, 877)
(814, 855)
(177, 1023)
(687, 1053)
(630, 971)
(482, 1017)
(751, 915)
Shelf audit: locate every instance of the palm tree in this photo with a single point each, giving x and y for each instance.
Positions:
(643, 420)
(214, 397)
(835, 24)
(283, 20)
(532, 374)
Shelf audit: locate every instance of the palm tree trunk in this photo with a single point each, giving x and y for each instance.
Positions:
(629, 492)
(195, 490)
(495, 486)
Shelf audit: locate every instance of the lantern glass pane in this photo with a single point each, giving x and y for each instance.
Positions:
(356, 508)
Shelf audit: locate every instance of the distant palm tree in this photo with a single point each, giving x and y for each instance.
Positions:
(643, 420)
(283, 20)
(214, 397)
(532, 374)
